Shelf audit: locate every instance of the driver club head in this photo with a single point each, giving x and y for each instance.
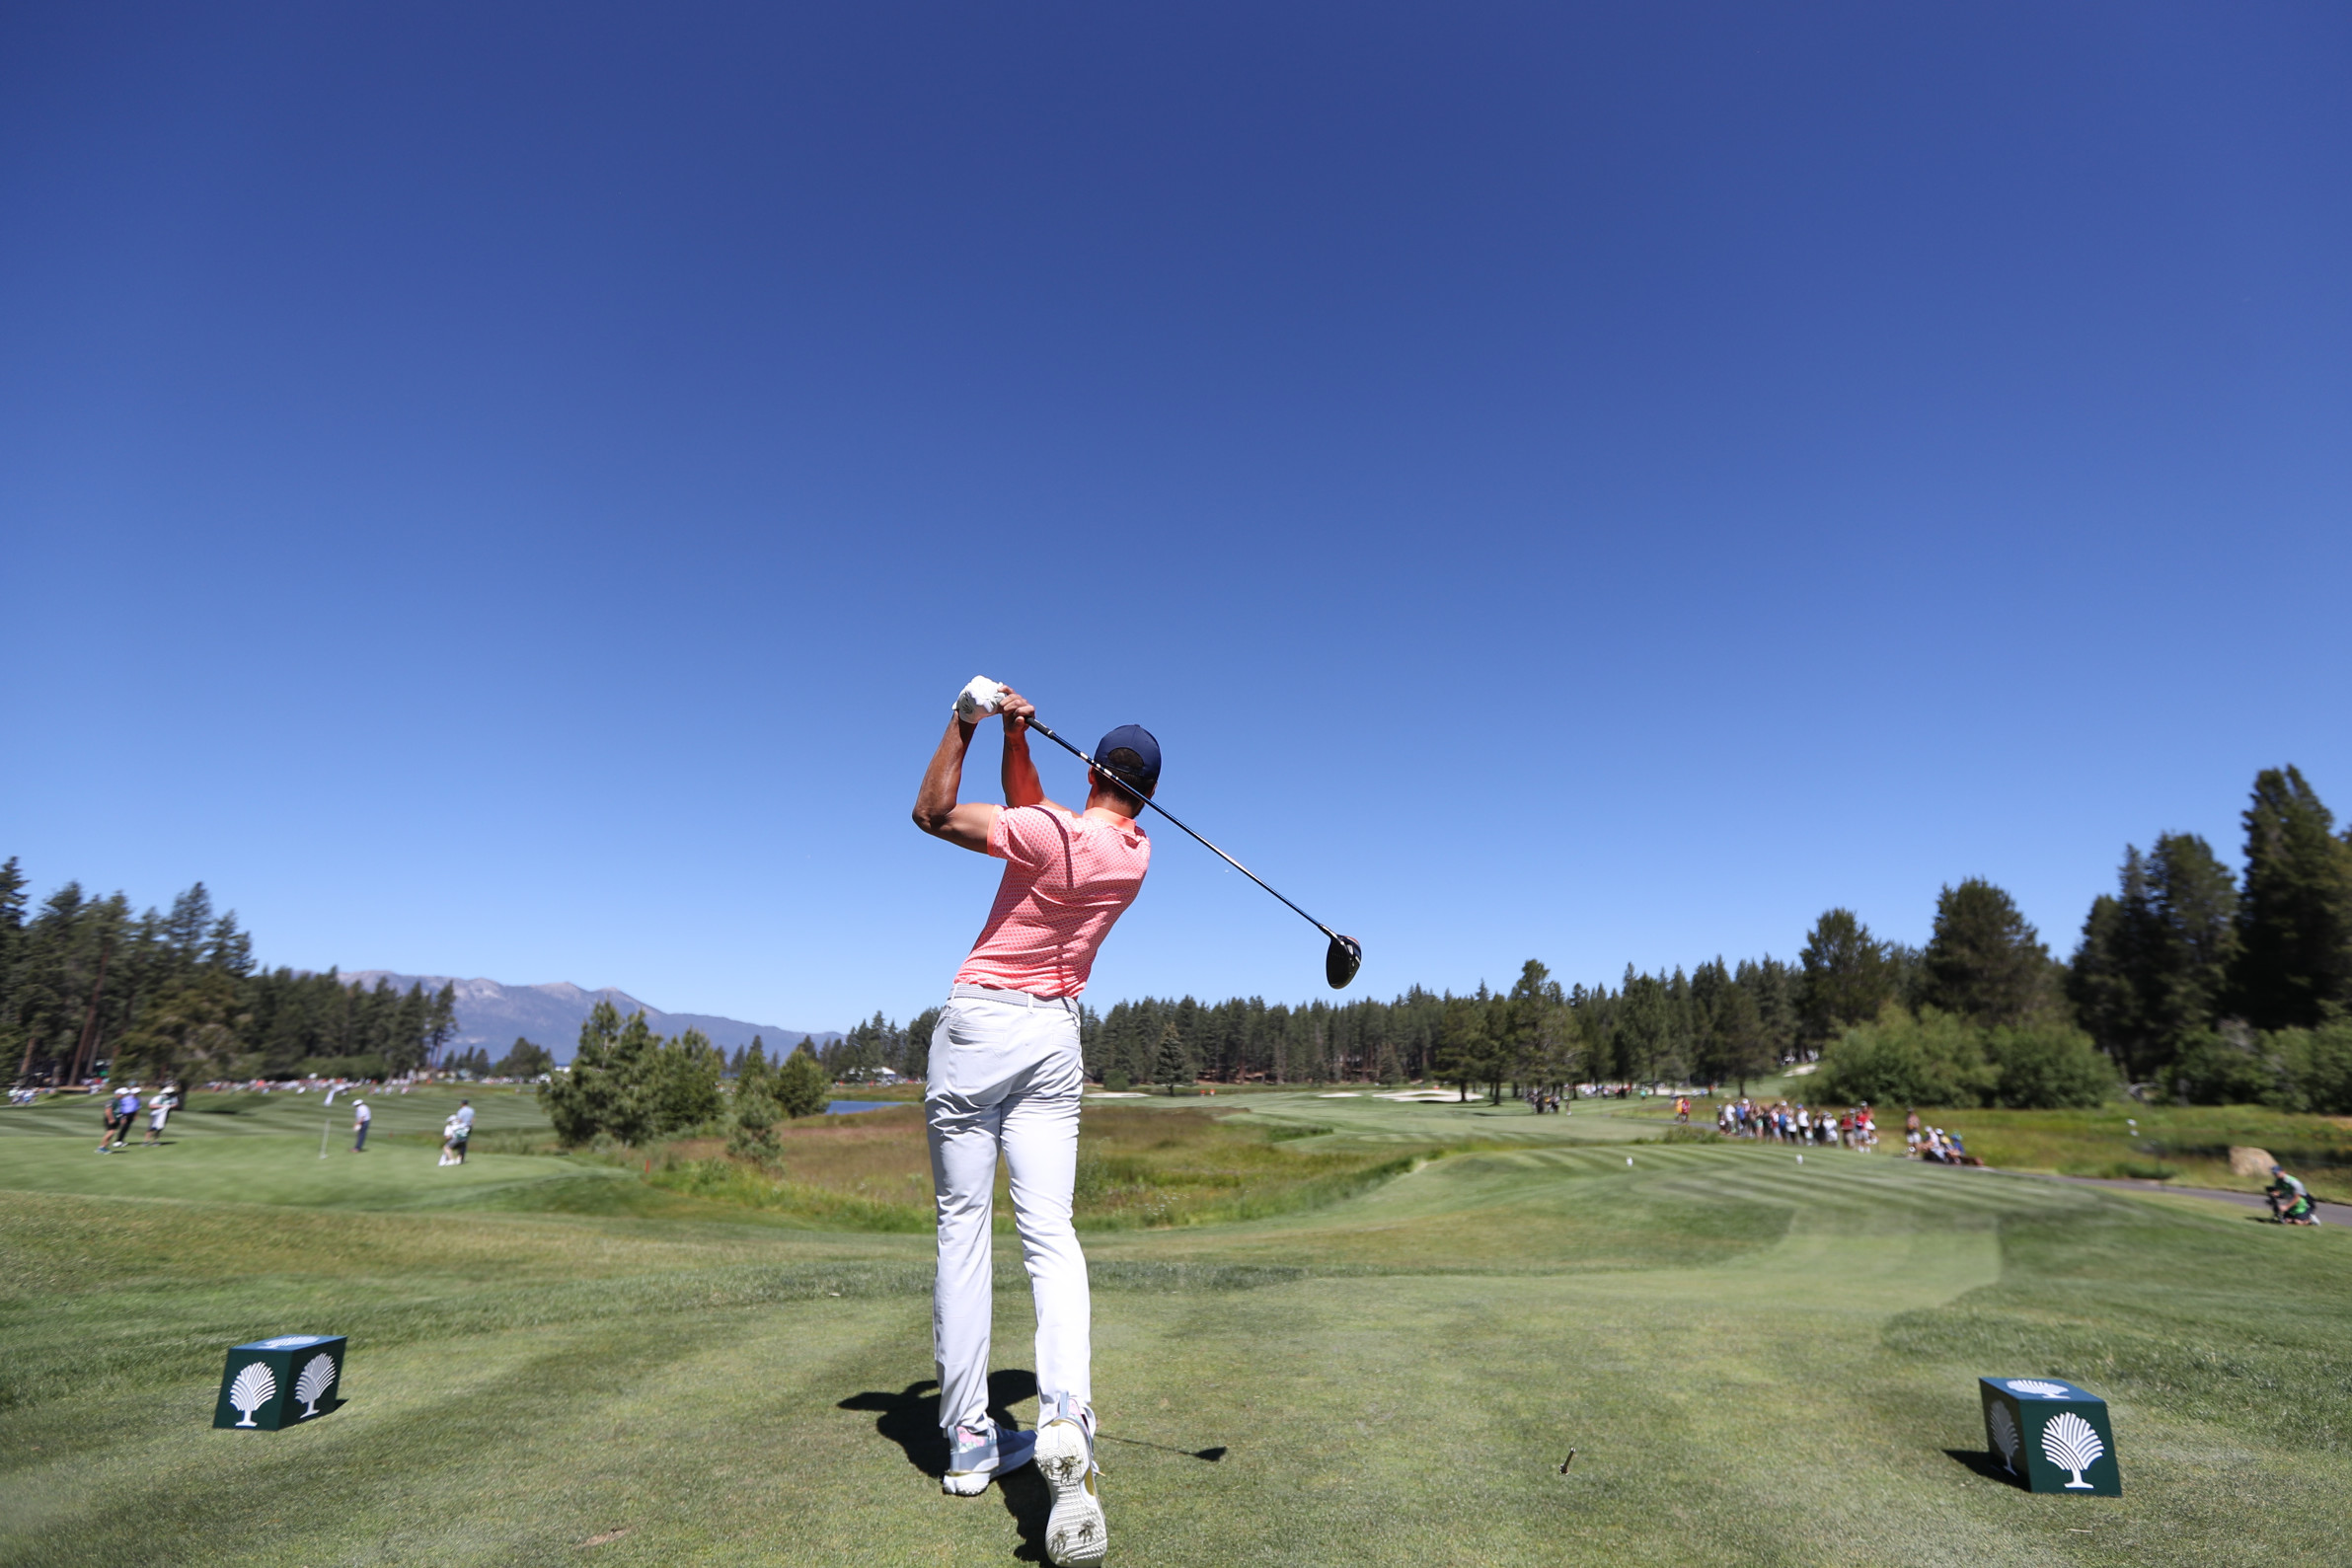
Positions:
(1340, 964)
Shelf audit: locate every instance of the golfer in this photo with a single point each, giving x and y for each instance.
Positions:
(1006, 1075)
(362, 1115)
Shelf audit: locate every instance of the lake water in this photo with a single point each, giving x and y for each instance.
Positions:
(852, 1107)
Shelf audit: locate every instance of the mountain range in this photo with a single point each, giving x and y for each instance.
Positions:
(489, 1014)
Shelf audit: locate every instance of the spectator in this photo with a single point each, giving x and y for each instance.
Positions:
(159, 1110)
(124, 1108)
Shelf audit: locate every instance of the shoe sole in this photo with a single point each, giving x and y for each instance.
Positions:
(1076, 1536)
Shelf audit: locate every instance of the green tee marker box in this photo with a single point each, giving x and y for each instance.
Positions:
(2052, 1436)
(274, 1384)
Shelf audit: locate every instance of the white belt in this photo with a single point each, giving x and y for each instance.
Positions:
(1010, 998)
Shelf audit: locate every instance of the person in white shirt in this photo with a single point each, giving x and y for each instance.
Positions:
(362, 1115)
(159, 1109)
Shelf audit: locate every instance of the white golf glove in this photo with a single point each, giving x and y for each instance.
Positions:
(978, 700)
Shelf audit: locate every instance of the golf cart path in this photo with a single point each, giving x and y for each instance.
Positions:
(2329, 1213)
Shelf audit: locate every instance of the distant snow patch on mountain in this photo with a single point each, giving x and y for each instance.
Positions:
(489, 1014)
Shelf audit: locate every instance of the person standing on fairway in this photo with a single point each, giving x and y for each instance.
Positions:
(362, 1115)
(1006, 1075)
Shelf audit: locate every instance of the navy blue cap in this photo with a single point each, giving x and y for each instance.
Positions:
(1139, 740)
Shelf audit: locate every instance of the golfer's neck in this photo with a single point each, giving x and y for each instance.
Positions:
(1110, 805)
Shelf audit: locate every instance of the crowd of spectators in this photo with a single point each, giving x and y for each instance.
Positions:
(1781, 1122)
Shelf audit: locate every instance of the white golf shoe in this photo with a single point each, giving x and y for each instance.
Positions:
(977, 1455)
(1075, 1533)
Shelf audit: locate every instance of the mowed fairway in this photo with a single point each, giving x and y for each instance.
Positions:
(554, 1362)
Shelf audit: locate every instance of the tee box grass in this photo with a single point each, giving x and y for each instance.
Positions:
(1756, 1361)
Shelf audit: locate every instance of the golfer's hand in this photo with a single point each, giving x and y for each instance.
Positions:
(1017, 710)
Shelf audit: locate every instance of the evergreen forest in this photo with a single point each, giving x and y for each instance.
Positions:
(88, 989)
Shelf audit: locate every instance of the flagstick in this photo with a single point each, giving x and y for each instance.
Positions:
(323, 1129)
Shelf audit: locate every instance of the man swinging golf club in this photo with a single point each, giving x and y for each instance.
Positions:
(1006, 1074)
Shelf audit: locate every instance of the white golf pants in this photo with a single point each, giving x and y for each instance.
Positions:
(1005, 1073)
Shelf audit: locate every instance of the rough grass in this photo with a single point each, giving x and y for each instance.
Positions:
(2187, 1144)
(1138, 1167)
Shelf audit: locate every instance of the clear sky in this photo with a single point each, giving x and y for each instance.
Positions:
(511, 490)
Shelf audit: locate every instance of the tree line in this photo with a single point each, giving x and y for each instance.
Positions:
(2192, 981)
(2201, 983)
(2227, 987)
(87, 988)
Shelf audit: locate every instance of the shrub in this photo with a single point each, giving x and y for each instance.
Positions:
(754, 1137)
(2048, 1069)
(2222, 1069)
(802, 1087)
(2316, 1067)
(1935, 1058)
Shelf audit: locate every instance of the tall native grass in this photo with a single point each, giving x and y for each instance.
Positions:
(1137, 1168)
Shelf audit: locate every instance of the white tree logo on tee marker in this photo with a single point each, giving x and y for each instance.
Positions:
(2005, 1436)
(2037, 1387)
(255, 1387)
(318, 1375)
(2070, 1444)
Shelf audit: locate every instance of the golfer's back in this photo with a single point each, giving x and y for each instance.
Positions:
(1067, 880)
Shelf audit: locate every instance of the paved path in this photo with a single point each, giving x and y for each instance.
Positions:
(2329, 1213)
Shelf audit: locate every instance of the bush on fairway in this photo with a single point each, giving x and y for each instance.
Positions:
(1937, 1057)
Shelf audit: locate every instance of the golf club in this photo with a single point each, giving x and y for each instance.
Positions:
(1345, 955)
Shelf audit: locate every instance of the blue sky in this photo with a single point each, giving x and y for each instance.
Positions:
(512, 490)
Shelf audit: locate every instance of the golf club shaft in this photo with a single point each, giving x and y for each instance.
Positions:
(1163, 811)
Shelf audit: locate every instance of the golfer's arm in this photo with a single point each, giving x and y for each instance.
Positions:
(1022, 787)
(935, 810)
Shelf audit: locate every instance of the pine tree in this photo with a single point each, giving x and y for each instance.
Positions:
(684, 1087)
(524, 1060)
(752, 1072)
(2192, 936)
(2104, 980)
(1847, 976)
(803, 1087)
(755, 1116)
(1741, 1046)
(439, 1021)
(1172, 1063)
(1463, 1043)
(1646, 1045)
(2293, 963)
(1984, 962)
(608, 1087)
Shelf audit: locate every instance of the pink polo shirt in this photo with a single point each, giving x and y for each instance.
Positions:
(1067, 880)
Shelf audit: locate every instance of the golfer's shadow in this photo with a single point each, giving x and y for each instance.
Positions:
(910, 1418)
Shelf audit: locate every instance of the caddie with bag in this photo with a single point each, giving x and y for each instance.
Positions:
(1006, 1076)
